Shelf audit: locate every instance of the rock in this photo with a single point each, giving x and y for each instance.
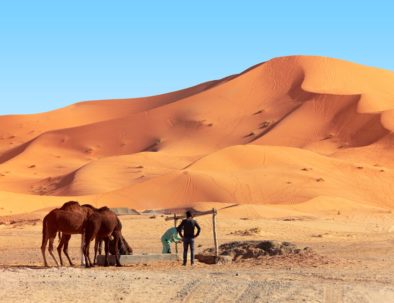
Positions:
(222, 259)
(211, 259)
(207, 259)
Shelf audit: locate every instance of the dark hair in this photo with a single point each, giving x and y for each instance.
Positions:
(189, 214)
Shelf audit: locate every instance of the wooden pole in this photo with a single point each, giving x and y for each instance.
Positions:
(176, 244)
(214, 231)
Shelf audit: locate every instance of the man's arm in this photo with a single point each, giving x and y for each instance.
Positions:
(198, 229)
(180, 228)
(176, 238)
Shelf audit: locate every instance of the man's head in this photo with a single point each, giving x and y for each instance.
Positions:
(189, 214)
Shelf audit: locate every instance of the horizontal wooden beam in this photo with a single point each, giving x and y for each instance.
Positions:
(195, 214)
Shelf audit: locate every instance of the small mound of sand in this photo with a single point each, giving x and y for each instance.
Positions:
(241, 250)
(23, 219)
(247, 232)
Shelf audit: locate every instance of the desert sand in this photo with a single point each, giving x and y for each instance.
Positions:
(354, 263)
(298, 147)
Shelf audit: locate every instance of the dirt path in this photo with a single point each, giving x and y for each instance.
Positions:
(182, 285)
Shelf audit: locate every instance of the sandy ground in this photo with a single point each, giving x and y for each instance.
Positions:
(355, 264)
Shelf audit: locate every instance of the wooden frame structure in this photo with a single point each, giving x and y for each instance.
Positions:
(198, 214)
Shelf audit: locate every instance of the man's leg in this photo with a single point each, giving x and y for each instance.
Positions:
(192, 251)
(185, 248)
(166, 246)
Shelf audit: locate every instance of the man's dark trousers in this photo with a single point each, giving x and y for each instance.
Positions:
(187, 241)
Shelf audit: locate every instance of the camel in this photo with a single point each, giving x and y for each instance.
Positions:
(65, 238)
(101, 225)
(68, 219)
(57, 220)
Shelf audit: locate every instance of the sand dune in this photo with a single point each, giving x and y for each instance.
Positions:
(291, 131)
(268, 175)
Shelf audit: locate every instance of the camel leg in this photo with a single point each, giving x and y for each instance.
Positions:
(65, 248)
(85, 254)
(106, 243)
(117, 239)
(100, 247)
(50, 249)
(82, 249)
(44, 240)
(88, 261)
(59, 249)
(43, 248)
(97, 244)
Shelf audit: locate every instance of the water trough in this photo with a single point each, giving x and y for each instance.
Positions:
(138, 258)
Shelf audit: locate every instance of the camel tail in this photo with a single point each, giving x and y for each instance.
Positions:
(44, 230)
(59, 235)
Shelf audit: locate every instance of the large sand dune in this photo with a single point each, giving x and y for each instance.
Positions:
(294, 132)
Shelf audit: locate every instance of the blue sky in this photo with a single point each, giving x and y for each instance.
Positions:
(54, 53)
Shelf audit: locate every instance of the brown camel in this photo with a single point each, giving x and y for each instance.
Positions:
(101, 225)
(69, 219)
(57, 220)
(65, 238)
(85, 209)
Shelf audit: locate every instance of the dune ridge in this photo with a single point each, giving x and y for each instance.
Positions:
(284, 132)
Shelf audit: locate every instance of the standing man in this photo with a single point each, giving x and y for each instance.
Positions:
(170, 236)
(186, 231)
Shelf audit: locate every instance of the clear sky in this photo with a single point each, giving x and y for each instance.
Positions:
(54, 53)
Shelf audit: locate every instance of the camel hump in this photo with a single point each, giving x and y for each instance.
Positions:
(89, 206)
(53, 211)
(104, 208)
(70, 205)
